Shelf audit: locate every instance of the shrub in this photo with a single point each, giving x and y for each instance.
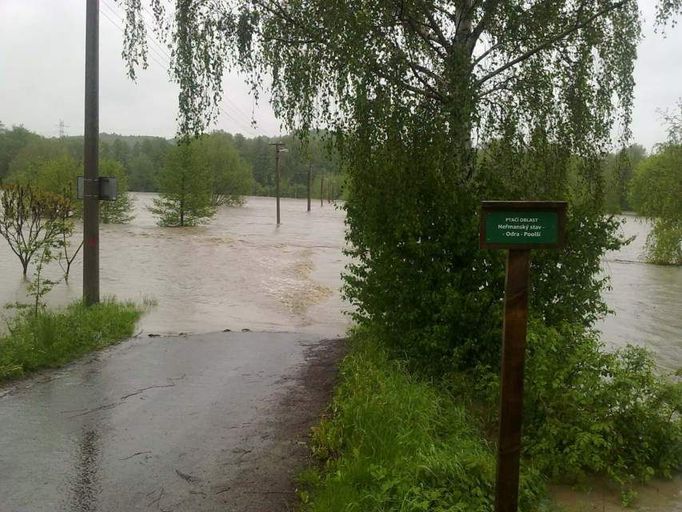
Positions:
(393, 442)
(592, 411)
(53, 338)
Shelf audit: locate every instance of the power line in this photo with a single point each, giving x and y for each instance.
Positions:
(120, 19)
(240, 122)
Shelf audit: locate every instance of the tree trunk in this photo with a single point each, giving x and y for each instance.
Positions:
(461, 105)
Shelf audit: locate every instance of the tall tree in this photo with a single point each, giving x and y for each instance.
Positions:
(656, 192)
(231, 176)
(12, 141)
(619, 169)
(185, 189)
(420, 94)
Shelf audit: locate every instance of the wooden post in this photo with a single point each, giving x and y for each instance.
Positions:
(511, 401)
(321, 190)
(279, 148)
(91, 157)
(310, 183)
(519, 227)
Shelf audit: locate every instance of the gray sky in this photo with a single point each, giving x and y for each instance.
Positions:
(41, 77)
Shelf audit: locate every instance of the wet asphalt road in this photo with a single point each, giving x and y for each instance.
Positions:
(166, 424)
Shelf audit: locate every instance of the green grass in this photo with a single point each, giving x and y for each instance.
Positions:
(53, 338)
(393, 442)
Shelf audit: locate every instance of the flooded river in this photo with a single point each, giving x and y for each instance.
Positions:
(242, 272)
(239, 271)
(646, 299)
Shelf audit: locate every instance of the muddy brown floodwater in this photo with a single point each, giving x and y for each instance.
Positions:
(240, 271)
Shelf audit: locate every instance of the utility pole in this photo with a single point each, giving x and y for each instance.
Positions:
(310, 183)
(91, 157)
(279, 148)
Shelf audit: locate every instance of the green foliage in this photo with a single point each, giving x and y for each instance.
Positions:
(394, 442)
(120, 210)
(53, 338)
(230, 176)
(655, 192)
(664, 242)
(33, 221)
(417, 271)
(12, 141)
(313, 153)
(46, 165)
(143, 158)
(40, 286)
(186, 189)
(618, 172)
(588, 410)
(28, 158)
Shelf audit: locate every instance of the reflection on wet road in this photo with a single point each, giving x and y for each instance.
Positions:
(152, 424)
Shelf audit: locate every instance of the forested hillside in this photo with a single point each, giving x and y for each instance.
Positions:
(143, 159)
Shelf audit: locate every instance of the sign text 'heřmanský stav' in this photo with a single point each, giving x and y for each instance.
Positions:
(527, 224)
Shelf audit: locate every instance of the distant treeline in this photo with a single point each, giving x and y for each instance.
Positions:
(143, 159)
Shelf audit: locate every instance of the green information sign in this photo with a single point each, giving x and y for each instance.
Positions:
(513, 227)
(517, 227)
(522, 224)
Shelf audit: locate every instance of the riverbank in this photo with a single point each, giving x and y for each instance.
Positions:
(50, 339)
(397, 440)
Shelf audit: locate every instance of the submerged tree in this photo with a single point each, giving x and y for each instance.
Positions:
(619, 169)
(120, 210)
(231, 177)
(185, 184)
(50, 168)
(33, 221)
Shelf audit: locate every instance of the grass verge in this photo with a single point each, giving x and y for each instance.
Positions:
(401, 440)
(53, 338)
(393, 442)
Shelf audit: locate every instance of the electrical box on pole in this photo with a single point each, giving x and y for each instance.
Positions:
(107, 188)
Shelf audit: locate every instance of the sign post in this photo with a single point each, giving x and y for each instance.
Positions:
(517, 226)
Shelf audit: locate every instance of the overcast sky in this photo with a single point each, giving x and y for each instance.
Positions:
(42, 59)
